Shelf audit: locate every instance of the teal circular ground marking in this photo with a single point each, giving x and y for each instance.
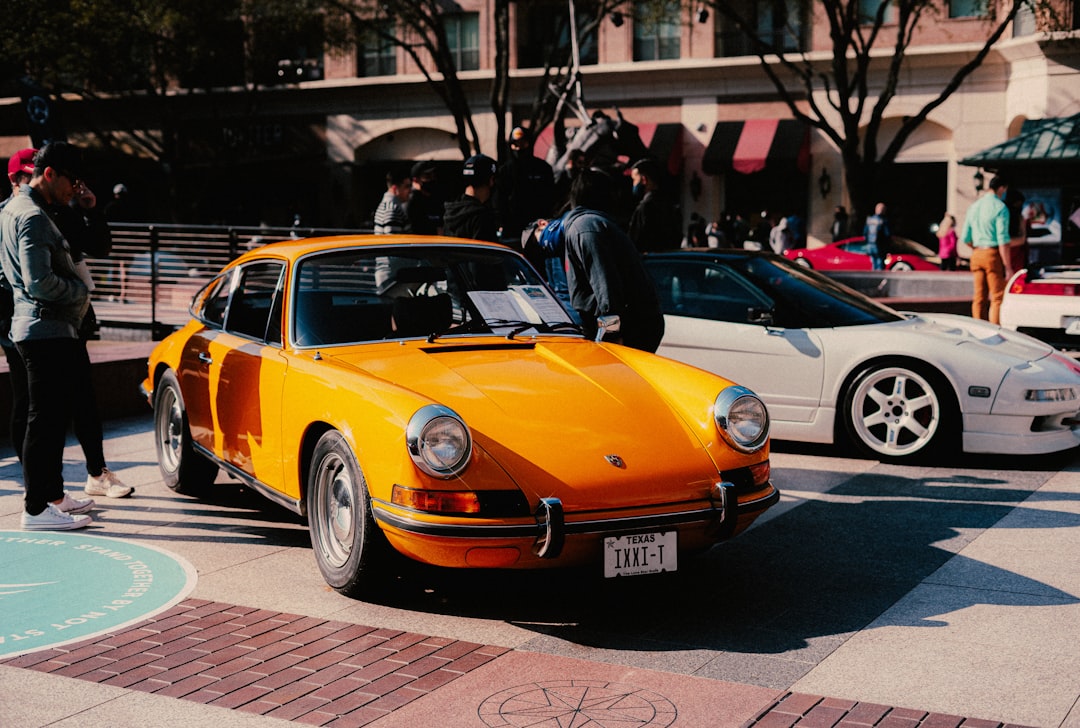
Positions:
(57, 588)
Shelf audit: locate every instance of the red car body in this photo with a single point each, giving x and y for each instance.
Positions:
(900, 254)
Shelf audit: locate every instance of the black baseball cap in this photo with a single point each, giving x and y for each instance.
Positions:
(422, 167)
(479, 169)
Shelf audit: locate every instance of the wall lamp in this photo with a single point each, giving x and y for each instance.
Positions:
(617, 19)
(702, 14)
(824, 183)
(979, 180)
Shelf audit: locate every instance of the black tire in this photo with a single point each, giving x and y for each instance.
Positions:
(800, 261)
(899, 410)
(902, 266)
(182, 468)
(349, 547)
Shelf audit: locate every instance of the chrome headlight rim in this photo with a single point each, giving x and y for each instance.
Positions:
(421, 425)
(734, 398)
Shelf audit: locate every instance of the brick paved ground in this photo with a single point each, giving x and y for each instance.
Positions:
(319, 672)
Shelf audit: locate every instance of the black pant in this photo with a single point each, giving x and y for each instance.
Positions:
(86, 421)
(51, 387)
(20, 400)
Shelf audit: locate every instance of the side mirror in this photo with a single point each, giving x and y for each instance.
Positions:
(760, 316)
(604, 324)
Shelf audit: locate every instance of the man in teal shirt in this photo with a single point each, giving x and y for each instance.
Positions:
(986, 229)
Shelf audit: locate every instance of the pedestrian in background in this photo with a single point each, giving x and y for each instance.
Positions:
(876, 232)
(390, 216)
(20, 170)
(986, 229)
(84, 227)
(526, 187)
(425, 207)
(780, 237)
(37, 262)
(471, 215)
(605, 273)
(946, 235)
(119, 208)
(840, 229)
(654, 224)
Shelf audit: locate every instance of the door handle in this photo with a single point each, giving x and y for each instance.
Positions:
(205, 358)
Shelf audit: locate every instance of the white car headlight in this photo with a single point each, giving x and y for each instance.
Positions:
(438, 441)
(1061, 394)
(741, 418)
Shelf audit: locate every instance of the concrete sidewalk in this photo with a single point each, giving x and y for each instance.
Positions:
(987, 639)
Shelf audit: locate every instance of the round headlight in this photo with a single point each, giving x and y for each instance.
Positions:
(741, 418)
(438, 441)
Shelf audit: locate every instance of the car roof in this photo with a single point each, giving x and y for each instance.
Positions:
(294, 249)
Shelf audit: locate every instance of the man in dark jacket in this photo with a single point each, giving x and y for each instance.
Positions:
(655, 224)
(526, 189)
(605, 274)
(470, 216)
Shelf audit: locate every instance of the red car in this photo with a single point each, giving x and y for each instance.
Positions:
(900, 254)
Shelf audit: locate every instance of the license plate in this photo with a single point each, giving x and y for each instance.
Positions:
(1072, 326)
(640, 553)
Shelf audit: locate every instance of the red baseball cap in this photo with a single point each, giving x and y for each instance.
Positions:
(21, 161)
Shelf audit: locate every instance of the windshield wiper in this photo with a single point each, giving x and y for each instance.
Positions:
(546, 327)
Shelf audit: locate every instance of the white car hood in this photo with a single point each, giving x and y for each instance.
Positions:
(955, 330)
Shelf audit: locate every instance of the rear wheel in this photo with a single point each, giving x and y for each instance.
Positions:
(902, 265)
(349, 548)
(182, 468)
(899, 410)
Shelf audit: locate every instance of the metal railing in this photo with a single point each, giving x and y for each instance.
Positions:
(147, 282)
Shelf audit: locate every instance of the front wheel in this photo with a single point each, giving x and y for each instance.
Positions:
(902, 265)
(804, 263)
(898, 411)
(182, 468)
(349, 547)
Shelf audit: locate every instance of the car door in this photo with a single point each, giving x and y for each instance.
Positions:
(195, 371)
(719, 320)
(850, 256)
(247, 372)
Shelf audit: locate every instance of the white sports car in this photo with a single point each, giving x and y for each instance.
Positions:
(1045, 303)
(830, 362)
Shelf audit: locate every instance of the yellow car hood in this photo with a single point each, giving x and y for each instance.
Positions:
(551, 414)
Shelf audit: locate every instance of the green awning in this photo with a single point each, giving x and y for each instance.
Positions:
(1042, 141)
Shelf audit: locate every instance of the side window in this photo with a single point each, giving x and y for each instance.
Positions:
(254, 302)
(210, 303)
(711, 292)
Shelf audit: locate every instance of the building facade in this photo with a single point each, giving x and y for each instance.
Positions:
(320, 143)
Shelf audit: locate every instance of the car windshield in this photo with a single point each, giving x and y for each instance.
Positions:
(762, 290)
(372, 294)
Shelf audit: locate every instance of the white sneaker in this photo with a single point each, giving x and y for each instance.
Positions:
(108, 485)
(53, 519)
(73, 506)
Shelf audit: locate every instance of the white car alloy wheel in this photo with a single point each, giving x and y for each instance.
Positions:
(894, 411)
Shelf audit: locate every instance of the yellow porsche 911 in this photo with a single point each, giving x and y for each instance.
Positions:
(433, 396)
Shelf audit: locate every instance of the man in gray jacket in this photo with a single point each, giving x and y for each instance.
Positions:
(605, 274)
(50, 302)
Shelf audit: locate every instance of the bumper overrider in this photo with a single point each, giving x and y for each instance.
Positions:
(545, 537)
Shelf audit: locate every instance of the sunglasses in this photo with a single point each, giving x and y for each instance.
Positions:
(73, 179)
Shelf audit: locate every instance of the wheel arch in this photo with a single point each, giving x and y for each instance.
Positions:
(311, 437)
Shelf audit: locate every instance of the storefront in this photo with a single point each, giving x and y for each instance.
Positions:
(1041, 163)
